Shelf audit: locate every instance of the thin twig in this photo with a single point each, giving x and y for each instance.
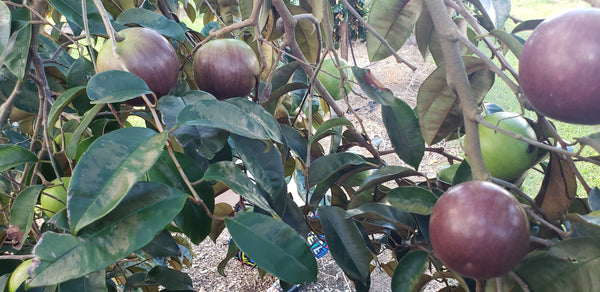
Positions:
(549, 225)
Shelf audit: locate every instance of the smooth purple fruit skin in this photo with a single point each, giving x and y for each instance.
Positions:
(226, 68)
(147, 54)
(559, 67)
(479, 230)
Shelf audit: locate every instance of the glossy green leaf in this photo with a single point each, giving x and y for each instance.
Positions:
(16, 58)
(412, 199)
(22, 209)
(381, 211)
(171, 280)
(409, 270)
(306, 35)
(295, 141)
(402, 126)
(108, 170)
(115, 86)
(274, 246)
(329, 165)
(394, 21)
(14, 155)
(509, 40)
(142, 214)
(62, 102)
(217, 114)
(437, 105)
(259, 114)
(328, 128)
(233, 177)
(385, 174)
(345, 242)
(372, 87)
(151, 19)
(263, 161)
(72, 11)
(73, 146)
(92, 282)
(163, 245)
(170, 105)
(283, 74)
(28, 100)
(572, 263)
(80, 72)
(5, 19)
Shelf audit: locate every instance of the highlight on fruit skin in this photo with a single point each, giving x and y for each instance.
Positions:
(479, 230)
(147, 54)
(226, 68)
(559, 67)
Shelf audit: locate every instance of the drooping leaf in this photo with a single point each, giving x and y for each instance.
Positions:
(509, 40)
(144, 212)
(423, 30)
(409, 270)
(233, 177)
(151, 19)
(437, 105)
(384, 174)
(92, 282)
(402, 127)
(412, 199)
(14, 155)
(306, 35)
(326, 166)
(62, 102)
(16, 58)
(274, 246)
(295, 141)
(163, 245)
(221, 210)
(394, 21)
(115, 86)
(345, 242)
(22, 209)
(558, 189)
(108, 170)
(72, 150)
(217, 114)
(328, 128)
(571, 263)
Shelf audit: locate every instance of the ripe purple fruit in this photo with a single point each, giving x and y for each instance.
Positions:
(559, 67)
(479, 230)
(226, 68)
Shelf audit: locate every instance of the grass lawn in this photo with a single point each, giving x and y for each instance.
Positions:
(503, 96)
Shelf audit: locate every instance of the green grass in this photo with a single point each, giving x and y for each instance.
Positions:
(504, 97)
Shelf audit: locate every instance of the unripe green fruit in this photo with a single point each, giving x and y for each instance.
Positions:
(505, 157)
(54, 198)
(331, 81)
(18, 276)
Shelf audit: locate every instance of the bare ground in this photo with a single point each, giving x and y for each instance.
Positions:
(405, 84)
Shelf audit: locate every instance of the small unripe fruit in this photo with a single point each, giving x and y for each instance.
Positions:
(54, 198)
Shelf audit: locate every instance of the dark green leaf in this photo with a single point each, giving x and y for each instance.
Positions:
(233, 177)
(115, 86)
(409, 270)
(326, 166)
(28, 100)
(283, 74)
(527, 25)
(72, 11)
(326, 127)
(72, 150)
(271, 104)
(372, 87)
(217, 114)
(423, 31)
(80, 72)
(594, 199)
(62, 102)
(92, 282)
(437, 105)
(107, 170)
(22, 209)
(14, 155)
(170, 105)
(263, 161)
(259, 114)
(394, 21)
(509, 40)
(384, 174)
(295, 141)
(170, 279)
(572, 263)
(412, 199)
(16, 58)
(380, 211)
(274, 246)
(345, 242)
(163, 245)
(144, 212)
(150, 19)
(5, 19)
(402, 127)
(584, 225)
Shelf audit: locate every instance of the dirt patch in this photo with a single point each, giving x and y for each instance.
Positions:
(405, 84)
